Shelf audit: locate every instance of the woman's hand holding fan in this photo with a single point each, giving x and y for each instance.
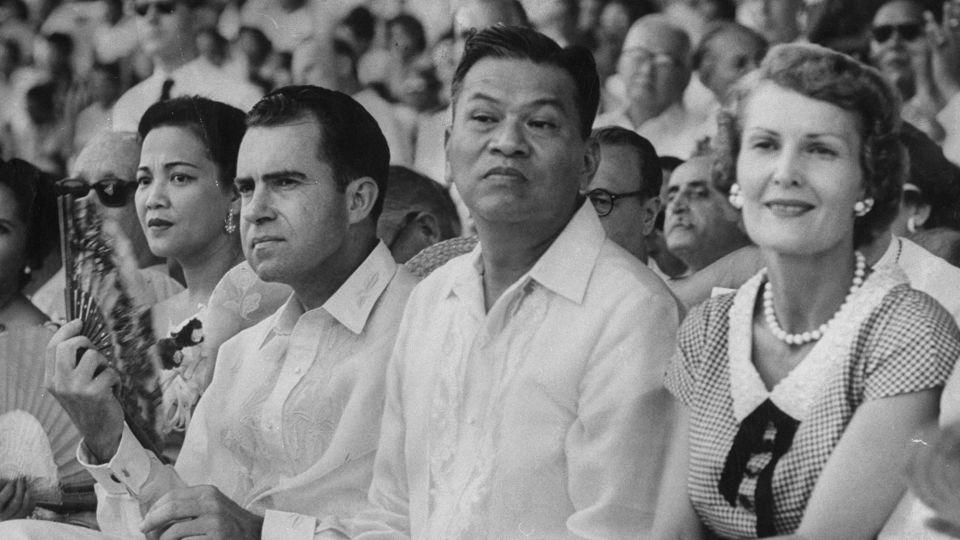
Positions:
(85, 391)
(16, 499)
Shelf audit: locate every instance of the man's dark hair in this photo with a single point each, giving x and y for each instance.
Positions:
(412, 191)
(13, 48)
(412, 26)
(361, 22)
(219, 126)
(517, 43)
(350, 139)
(63, 43)
(651, 176)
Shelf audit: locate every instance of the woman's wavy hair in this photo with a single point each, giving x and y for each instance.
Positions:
(838, 79)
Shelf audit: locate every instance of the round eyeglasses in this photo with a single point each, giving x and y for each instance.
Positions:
(604, 201)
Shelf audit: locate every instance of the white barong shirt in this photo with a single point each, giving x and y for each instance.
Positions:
(545, 417)
(287, 428)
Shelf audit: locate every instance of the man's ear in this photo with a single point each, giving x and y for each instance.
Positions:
(649, 211)
(591, 160)
(428, 226)
(361, 194)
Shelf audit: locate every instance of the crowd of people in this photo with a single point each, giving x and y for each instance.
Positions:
(601, 269)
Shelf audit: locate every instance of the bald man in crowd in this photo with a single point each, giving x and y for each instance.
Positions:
(108, 166)
(655, 69)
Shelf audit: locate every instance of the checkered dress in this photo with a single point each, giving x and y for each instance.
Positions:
(889, 339)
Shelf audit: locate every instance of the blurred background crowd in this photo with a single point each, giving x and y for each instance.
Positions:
(71, 69)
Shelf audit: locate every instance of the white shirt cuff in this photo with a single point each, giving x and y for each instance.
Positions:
(279, 525)
(127, 470)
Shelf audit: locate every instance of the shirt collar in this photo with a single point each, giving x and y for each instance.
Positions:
(352, 304)
(568, 263)
(565, 268)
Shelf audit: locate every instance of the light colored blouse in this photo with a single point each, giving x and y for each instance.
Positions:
(888, 339)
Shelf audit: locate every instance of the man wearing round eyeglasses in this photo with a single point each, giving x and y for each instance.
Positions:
(104, 173)
(625, 188)
(899, 49)
(167, 30)
(654, 69)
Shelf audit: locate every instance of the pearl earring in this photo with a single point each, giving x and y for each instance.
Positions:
(735, 198)
(862, 208)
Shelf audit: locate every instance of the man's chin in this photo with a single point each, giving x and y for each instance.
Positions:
(267, 271)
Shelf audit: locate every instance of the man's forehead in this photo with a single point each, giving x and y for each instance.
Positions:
(113, 154)
(693, 171)
(657, 37)
(899, 11)
(518, 81)
(287, 146)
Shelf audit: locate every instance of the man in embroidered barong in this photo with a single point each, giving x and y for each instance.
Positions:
(524, 397)
(282, 443)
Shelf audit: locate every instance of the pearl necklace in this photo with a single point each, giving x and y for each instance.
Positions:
(770, 315)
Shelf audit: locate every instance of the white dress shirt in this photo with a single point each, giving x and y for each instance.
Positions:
(196, 77)
(288, 427)
(675, 132)
(545, 417)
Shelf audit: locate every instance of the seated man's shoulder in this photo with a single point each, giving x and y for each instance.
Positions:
(617, 272)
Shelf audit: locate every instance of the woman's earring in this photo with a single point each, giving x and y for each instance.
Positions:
(27, 270)
(230, 224)
(735, 198)
(862, 208)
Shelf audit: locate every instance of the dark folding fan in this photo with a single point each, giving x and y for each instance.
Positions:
(98, 265)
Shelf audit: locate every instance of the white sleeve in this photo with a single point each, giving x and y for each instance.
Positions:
(616, 447)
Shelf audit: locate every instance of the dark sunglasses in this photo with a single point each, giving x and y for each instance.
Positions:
(908, 31)
(164, 7)
(113, 192)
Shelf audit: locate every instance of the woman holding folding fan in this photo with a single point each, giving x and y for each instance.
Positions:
(27, 235)
(802, 391)
(189, 211)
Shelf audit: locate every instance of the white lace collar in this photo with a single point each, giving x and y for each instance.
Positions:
(796, 393)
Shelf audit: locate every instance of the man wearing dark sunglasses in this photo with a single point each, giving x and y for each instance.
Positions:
(104, 173)
(898, 47)
(167, 30)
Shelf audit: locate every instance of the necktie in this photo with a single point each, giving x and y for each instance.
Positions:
(165, 89)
